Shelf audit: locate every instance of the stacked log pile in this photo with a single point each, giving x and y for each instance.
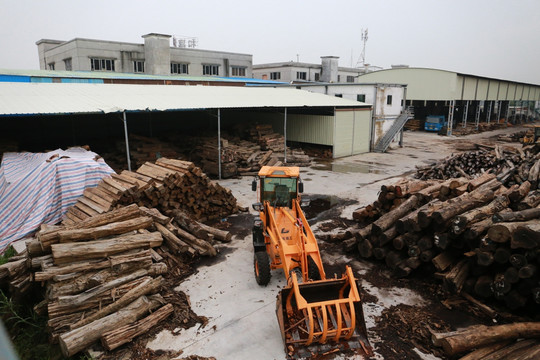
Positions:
(511, 164)
(242, 157)
(414, 125)
(105, 276)
(481, 235)
(483, 126)
(166, 185)
(265, 136)
(509, 341)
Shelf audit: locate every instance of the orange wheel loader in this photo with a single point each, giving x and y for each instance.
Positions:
(316, 315)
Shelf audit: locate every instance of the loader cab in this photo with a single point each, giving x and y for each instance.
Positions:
(278, 185)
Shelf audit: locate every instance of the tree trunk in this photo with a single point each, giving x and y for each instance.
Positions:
(520, 192)
(478, 214)
(482, 179)
(442, 261)
(465, 203)
(79, 339)
(526, 236)
(173, 242)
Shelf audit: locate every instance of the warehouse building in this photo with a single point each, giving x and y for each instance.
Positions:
(49, 115)
(388, 101)
(155, 57)
(464, 99)
(297, 72)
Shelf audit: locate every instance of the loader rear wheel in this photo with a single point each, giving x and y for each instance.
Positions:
(261, 264)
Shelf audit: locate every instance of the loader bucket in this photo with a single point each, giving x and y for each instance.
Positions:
(321, 317)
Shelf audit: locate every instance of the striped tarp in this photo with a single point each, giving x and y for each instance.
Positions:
(38, 188)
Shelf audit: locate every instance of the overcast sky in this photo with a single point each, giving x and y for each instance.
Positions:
(491, 38)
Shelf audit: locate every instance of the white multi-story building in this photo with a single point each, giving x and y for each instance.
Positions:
(296, 72)
(155, 57)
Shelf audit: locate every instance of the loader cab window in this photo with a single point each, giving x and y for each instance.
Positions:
(279, 191)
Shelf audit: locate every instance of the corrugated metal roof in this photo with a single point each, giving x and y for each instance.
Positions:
(130, 76)
(46, 98)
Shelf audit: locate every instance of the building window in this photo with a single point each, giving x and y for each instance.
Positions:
(317, 76)
(361, 97)
(51, 66)
(301, 75)
(210, 69)
(179, 68)
(102, 64)
(275, 75)
(389, 100)
(338, 95)
(138, 66)
(67, 64)
(238, 71)
(350, 78)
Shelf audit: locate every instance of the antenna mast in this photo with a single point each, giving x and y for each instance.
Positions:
(364, 41)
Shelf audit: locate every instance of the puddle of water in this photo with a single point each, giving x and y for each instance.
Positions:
(347, 168)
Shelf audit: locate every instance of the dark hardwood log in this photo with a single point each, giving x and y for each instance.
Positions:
(502, 232)
(530, 201)
(527, 271)
(424, 216)
(441, 240)
(387, 220)
(483, 286)
(475, 215)
(442, 261)
(427, 255)
(484, 258)
(398, 242)
(482, 179)
(477, 229)
(484, 351)
(78, 339)
(518, 260)
(359, 234)
(365, 249)
(519, 193)
(523, 215)
(501, 285)
(511, 274)
(380, 253)
(502, 255)
(526, 236)
(414, 262)
(387, 236)
(455, 278)
(425, 243)
(470, 339)
(393, 258)
(409, 222)
(466, 202)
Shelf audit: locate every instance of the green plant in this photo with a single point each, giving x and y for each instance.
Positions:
(10, 251)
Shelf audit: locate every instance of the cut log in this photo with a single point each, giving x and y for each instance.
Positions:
(530, 201)
(455, 278)
(475, 215)
(526, 236)
(482, 179)
(502, 232)
(519, 193)
(464, 203)
(143, 258)
(149, 286)
(174, 242)
(442, 261)
(523, 215)
(470, 339)
(388, 219)
(484, 351)
(117, 337)
(116, 228)
(99, 249)
(79, 339)
(199, 229)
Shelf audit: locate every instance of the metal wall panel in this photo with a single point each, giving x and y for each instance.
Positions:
(362, 120)
(343, 139)
(503, 91)
(313, 129)
(481, 94)
(469, 90)
(493, 88)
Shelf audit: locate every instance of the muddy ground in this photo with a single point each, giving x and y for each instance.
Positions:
(241, 314)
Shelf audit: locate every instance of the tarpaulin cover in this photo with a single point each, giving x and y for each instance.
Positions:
(38, 188)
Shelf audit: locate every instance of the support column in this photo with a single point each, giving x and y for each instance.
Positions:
(499, 103)
(477, 118)
(285, 137)
(465, 114)
(507, 111)
(488, 116)
(450, 117)
(219, 141)
(127, 140)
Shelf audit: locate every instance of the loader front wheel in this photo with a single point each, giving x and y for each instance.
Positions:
(261, 264)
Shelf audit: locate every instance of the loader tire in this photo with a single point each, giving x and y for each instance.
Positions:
(261, 265)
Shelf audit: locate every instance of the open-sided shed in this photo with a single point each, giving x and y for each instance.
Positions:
(301, 116)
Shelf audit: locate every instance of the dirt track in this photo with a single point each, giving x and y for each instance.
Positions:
(242, 322)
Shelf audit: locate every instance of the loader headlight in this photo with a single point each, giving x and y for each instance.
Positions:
(257, 223)
(258, 206)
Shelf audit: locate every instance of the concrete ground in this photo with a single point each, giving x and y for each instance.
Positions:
(242, 321)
